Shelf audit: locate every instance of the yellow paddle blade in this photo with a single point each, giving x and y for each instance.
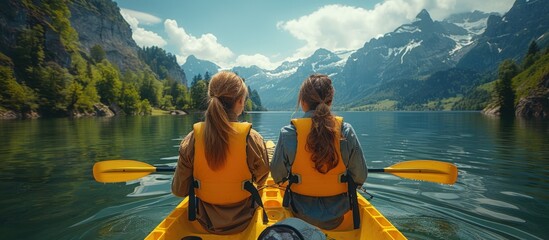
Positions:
(121, 170)
(425, 170)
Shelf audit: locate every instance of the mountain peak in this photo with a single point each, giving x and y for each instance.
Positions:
(423, 16)
(191, 57)
(322, 52)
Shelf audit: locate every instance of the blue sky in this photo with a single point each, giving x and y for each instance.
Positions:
(266, 33)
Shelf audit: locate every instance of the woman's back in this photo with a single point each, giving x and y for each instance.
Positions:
(318, 153)
(217, 157)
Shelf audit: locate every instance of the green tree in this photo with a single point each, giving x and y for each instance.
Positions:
(256, 100)
(207, 76)
(505, 93)
(196, 78)
(97, 53)
(182, 98)
(248, 106)
(108, 85)
(145, 107)
(82, 92)
(29, 53)
(59, 13)
(158, 60)
(178, 92)
(167, 102)
(53, 89)
(531, 55)
(199, 95)
(151, 89)
(533, 49)
(13, 95)
(129, 100)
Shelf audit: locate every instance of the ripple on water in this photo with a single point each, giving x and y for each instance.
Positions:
(441, 196)
(497, 215)
(128, 221)
(497, 203)
(154, 184)
(514, 194)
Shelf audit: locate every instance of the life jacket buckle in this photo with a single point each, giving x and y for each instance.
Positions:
(342, 177)
(196, 183)
(294, 178)
(243, 186)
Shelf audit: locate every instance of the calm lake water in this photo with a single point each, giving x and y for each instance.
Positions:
(48, 191)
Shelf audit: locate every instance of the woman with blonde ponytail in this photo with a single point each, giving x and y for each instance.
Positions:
(219, 158)
(320, 157)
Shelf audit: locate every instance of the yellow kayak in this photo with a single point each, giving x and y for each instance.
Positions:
(373, 224)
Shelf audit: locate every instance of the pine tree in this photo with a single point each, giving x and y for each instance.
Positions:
(531, 55)
(505, 93)
(207, 76)
(97, 53)
(199, 93)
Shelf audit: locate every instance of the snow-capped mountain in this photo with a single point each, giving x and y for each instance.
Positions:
(412, 51)
(278, 88)
(508, 36)
(420, 61)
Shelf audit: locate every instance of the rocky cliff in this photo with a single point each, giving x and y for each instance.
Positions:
(98, 22)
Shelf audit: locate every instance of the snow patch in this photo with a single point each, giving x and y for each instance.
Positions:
(408, 48)
(474, 27)
(282, 74)
(408, 29)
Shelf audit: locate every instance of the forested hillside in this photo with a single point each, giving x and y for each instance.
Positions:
(522, 89)
(48, 68)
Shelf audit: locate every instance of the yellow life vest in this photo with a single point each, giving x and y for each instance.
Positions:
(310, 181)
(226, 185)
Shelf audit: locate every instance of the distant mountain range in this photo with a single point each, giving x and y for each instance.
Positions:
(401, 69)
(52, 57)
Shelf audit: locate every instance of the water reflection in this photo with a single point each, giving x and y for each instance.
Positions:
(502, 190)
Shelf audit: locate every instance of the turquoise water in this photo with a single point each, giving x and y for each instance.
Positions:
(502, 190)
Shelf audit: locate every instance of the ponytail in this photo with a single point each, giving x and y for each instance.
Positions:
(224, 90)
(317, 92)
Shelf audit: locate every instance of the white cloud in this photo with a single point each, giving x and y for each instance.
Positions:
(338, 27)
(143, 18)
(205, 47)
(257, 59)
(333, 27)
(142, 37)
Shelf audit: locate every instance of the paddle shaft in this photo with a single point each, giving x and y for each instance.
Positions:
(171, 169)
(141, 169)
(422, 170)
(165, 169)
(403, 170)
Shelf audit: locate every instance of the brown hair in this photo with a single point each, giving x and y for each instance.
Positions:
(224, 90)
(317, 92)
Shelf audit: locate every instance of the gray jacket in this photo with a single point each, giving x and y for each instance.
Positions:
(324, 212)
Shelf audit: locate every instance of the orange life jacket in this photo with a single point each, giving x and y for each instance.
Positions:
(310, 181)
(226, 185)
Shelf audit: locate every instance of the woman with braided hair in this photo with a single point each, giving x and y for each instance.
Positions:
(320, 157)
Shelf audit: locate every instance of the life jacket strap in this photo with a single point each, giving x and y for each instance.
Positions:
(192, 201)
(249, 186)
(353, 198)
(286, 201)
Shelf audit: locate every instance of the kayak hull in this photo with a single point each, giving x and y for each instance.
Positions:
(373, 224)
